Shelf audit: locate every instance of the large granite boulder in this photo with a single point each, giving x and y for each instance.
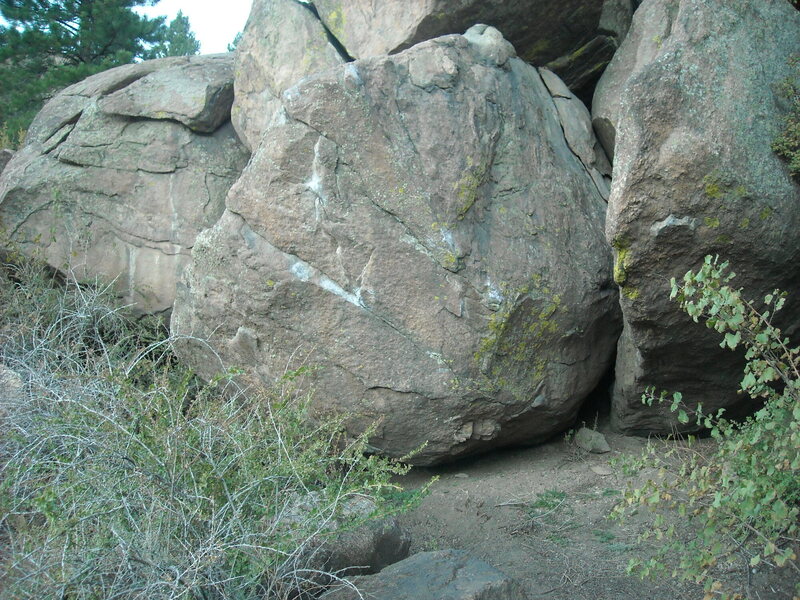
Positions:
(576, 37)
(689, 106)
(121, 171)
(417, 229)
(440, 575)
(282, 42)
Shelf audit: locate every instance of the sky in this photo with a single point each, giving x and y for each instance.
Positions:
(214, 23)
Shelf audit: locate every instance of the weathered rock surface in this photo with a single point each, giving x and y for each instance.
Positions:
(441, 575)
(418, 228)
(692, 99)
(198, 94)
(283, 42)
(591, 441)
(122, 170)
(576, 37)
(356, 550)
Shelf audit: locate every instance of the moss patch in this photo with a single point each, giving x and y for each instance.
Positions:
(631, 292)
(466, 188)
(622, 255)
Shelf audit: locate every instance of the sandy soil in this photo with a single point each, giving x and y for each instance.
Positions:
(540, 515)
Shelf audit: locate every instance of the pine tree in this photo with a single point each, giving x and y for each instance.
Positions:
(49, 44)
(178, 39)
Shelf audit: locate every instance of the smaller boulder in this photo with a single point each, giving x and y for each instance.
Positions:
(197, 93)
(367, 547)
(591, 441)
(442, 575)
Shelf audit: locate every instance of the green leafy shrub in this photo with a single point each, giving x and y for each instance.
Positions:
(121, 476)
(787, 144)
(744, 496)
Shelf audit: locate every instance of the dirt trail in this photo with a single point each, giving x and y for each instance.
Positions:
(539, 515)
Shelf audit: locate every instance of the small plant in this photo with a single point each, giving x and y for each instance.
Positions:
(744, 496)
(122, 476)
(787, 144)
(11, 139)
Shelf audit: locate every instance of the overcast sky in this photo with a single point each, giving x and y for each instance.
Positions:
(215, 24)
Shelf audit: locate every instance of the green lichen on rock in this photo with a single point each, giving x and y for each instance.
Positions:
(712, 222)
(723, 239)
(522, 348)
(720, 186)
(712, 186)
(466, 188)
(334, 21)
(536, 51)
(621, 247)
(765, 213)
(631, 292)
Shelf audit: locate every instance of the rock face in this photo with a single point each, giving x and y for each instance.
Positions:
(577, 37)
(283, 42)
(121, 171)
(691, 98)
(441, 575)
(417, 229)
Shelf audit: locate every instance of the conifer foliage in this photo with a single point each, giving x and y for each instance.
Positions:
(46, 45)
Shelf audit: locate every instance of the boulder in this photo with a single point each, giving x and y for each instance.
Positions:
(417, 230)
(351, 544)
(591, 441)
(576, 37)
(283, 41)
(121, 171)
(689, 106)
(440, 575)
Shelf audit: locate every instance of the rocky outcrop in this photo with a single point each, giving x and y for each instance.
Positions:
(122, 170)
(440, 575)
(575, 38)
(689, 107)
(283, 42)
(418, 230)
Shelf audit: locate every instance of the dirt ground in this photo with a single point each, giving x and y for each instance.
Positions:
(540, 515)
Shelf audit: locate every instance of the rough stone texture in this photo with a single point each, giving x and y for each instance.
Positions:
(283, 42)
(577, 37)
(576, 122)
(441, 575)
(123, 197)
(367, 549)
(197, 93)
(692, 97)
(591, 441)
(418, 228)
(359, 550)
(5, 156)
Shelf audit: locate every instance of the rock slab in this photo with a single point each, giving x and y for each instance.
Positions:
(689, 106)
(441, 575)
(417, 229)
